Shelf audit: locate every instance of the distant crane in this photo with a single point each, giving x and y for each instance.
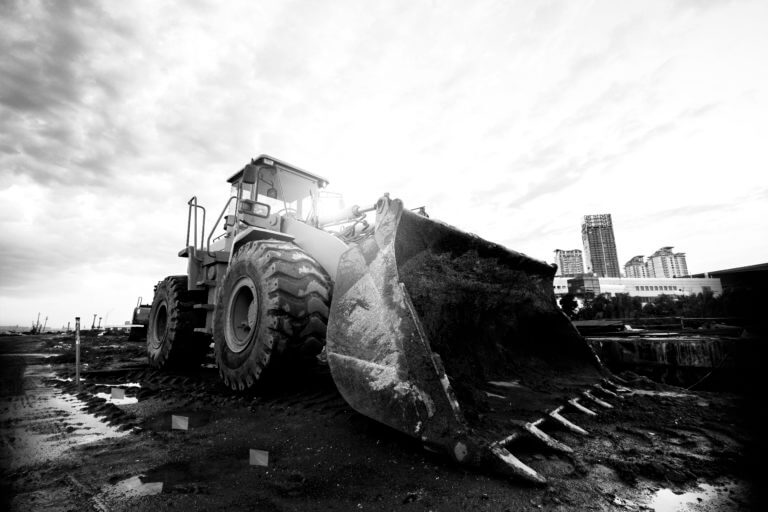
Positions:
(46, 323)
(93, 324)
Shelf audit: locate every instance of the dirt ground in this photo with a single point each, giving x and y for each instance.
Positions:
(65, 448)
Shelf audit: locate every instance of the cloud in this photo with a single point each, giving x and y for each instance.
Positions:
(699, 5)
(40, 68)
(55, 97)
(559, 179)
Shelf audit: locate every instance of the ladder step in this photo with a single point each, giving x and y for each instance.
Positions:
(206, 282)
(203, 330)
(207, 307)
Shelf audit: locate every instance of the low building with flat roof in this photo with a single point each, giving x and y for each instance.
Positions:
(637, 287)
(751, 277)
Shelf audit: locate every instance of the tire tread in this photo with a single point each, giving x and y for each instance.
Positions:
(299, 296)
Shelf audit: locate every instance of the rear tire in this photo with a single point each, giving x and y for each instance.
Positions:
(137, 334)
(171, 336)
(271, 311)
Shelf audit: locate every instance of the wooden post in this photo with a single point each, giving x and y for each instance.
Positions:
(77, 351)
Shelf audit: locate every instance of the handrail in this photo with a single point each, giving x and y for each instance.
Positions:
(213, 229)
(192, 203)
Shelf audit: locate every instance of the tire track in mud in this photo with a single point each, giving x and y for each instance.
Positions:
(627, 430)
(627, 439)
(311, 394)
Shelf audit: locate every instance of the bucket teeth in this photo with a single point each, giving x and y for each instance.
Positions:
(516, 466)
(608, 392)
(601, 403)
(510, 438)
(551, 442)
(556, 416)
(618, 388)
(619, 380)
(519, 468)
(575, 403)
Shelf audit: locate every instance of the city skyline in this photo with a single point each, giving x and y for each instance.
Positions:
(599, 241)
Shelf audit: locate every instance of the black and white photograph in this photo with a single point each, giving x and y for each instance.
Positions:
(394, 255)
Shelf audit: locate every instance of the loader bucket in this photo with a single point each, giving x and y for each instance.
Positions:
(456, 341)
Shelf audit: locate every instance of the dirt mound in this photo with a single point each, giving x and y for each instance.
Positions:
(493, 322)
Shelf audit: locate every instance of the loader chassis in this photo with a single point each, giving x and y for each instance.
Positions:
(425, 327)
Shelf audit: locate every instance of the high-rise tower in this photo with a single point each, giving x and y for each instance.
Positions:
(600, 245)
(636, 268)
(665, 263)
(569, 263)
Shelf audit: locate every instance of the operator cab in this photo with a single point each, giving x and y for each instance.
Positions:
(268, 189)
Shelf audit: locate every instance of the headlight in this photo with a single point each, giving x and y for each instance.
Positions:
(249, 207)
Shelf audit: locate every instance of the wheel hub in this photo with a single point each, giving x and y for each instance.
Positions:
(160, 325)
(242, 314)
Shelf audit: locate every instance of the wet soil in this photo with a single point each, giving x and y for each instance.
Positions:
(323, 455)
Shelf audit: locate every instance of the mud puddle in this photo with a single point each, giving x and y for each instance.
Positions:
(129, 488)
(121, 385)
(506, 384)
(117, 394)
(170, 478)
(44, 421)
(66, 379)
(667, 394)
(117, 399)
(31, 355)
(723, 497)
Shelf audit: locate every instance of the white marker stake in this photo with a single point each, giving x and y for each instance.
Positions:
(118, 394)
(259, 458)
(77, 352)
(179, 422)
(151, 488)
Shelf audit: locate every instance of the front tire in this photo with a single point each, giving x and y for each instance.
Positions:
(171, 336)
(271, 310)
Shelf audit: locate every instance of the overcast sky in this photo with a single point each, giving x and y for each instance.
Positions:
(508, 119)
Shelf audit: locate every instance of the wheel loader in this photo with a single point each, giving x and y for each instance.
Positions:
(446, 337)
(139, 321)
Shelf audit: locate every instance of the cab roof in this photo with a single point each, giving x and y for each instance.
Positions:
(268, 160)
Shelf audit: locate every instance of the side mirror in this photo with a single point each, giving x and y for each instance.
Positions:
(250, 174)
(249, 207)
